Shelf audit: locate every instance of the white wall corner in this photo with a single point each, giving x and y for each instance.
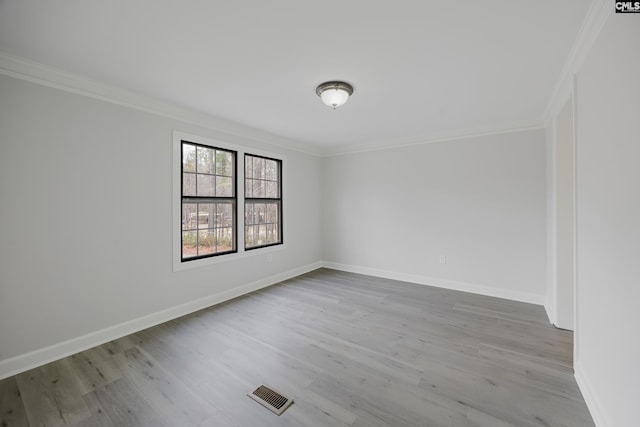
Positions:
(33, 359)
(551, 313)
(591, 398)
(440, 283)
(550, 298)
(595, 19)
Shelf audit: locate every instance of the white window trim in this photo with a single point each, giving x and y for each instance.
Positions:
(178, 264)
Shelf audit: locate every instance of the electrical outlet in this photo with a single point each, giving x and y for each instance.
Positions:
(443, 259)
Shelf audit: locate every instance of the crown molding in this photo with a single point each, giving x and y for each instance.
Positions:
(34, 72)
(523, 126)
(597, 15)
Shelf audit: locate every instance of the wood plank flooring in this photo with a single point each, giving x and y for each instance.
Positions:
(351, 350)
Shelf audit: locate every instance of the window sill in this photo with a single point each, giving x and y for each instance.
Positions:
(203, 262)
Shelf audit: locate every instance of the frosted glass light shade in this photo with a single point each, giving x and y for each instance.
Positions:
(334, 97)
(334, 94)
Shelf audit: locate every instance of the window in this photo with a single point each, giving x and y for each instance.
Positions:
(228, 201)
(262, 201)
(208, 193)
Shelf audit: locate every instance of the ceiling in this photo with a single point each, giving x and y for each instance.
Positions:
(421, 69)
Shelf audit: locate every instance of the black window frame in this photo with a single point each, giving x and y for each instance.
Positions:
(254, 200)
(208, 199)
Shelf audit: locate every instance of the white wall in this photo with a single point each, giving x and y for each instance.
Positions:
(550, 155)
(86, 229)
(479, 201)
(564, 193)
(608, 224)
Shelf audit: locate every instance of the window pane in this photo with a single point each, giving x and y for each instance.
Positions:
(197, 219)
(248, 188)
(271, 172)
(224, 239)
(206, 185)
(224, 215)
(224, 163)
(258, 188)
(248, 167)
(248, 213)
(206, 242)
(205, 160)
(262, 234)
(188, 158)
(188, 184)
(207, 214)
(272, 233)
(271, 190)
(189, 242)
(272, 213)
(250, 236)
(258, 167)
(253, 234)
(259, 213)
(224, 187)
(189, 216)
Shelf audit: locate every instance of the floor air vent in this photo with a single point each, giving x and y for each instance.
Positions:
(270, 399)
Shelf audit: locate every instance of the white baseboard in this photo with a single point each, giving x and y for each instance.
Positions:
(33, 359)
(24, 362)
(591, 397)
(441, 283)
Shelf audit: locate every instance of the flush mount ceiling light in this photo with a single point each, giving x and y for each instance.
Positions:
(334, 94)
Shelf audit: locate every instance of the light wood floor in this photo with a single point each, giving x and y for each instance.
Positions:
(351, 350)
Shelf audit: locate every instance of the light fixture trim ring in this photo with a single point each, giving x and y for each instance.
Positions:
(334, 85)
